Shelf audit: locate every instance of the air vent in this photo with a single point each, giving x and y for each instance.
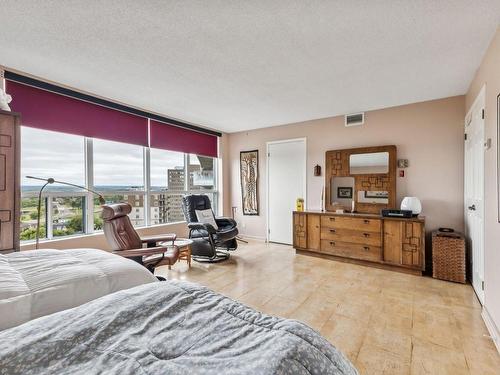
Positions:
(355, 119)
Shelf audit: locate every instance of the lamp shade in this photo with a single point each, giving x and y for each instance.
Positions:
(412, 204)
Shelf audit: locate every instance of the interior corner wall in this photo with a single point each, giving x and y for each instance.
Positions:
(488, 74)
(429, 134)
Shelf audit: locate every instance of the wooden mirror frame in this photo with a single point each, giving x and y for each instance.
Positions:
(337, 165)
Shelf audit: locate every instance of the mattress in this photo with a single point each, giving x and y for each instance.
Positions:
(41, 282)
(169, 327)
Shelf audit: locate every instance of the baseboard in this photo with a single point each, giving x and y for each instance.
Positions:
(492, 328)
(252, 237)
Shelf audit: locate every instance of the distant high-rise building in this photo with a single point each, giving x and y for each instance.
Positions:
(173, 202)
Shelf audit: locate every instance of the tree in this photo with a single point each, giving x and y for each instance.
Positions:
(29, 233)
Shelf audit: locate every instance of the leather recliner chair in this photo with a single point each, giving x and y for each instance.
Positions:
(124, 240)
(207, 240)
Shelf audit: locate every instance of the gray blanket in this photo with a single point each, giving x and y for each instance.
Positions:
(166, 328)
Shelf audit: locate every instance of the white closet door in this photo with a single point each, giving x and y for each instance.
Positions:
(474, 191)
(286, 176)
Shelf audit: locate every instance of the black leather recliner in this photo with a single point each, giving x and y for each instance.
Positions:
(207, 240)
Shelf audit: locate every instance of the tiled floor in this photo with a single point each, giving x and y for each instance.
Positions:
(385, 322)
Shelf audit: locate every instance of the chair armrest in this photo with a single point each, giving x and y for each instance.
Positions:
(225, 221)
(159, 237)
(200, 226)
(140, 252)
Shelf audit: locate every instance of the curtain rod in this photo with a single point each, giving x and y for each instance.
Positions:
(15, 77)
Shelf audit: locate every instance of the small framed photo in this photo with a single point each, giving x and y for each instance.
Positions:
(344, 192)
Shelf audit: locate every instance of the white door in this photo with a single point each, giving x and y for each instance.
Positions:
(474, 190)
(286, 176)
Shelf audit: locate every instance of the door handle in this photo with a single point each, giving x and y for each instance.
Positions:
(333, 231)
(366, 234)
(472, 208)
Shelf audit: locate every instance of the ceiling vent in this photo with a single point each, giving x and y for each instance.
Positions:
(355, 119)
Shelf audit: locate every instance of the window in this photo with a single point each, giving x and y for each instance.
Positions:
(63, 160)
(169, 185)
(117, 171)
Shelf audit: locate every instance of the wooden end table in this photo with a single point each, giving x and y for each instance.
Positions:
(184, 246)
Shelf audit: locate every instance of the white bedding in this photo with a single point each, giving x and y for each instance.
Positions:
(41, 282)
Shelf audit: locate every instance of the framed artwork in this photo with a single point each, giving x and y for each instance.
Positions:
(344, 192)
(249, 175)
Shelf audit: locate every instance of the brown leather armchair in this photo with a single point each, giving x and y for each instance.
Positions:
(124, 240)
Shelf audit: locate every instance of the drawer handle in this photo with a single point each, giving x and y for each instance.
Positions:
(332, 243)
(366, 234)
(332, 219)
(366, 248)
(333, 231)
(366, 221)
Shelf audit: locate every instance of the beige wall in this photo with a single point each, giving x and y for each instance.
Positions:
(98, 241)
(489, 74)
(429, 134)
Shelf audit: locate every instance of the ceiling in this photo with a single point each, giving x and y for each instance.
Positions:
(239, 65)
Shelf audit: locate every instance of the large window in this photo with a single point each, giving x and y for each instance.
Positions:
(61, 156)
(169, 184)
(152, 181)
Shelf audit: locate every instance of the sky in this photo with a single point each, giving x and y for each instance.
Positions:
(61, 156)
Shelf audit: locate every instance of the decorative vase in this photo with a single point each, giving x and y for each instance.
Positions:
(412, 204)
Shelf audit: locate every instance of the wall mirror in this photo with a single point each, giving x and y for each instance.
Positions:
(361, 179)
(373, 197)
(369, 163)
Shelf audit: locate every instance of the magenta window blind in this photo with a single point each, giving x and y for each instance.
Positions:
(173, 138)
(45, 110)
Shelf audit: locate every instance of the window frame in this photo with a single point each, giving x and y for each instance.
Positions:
(146, 193)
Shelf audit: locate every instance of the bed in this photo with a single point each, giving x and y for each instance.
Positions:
(41, 282)
(169, 327)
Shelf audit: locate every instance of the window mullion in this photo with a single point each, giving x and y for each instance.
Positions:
(48, 218)
(147, 185)
(89, 184)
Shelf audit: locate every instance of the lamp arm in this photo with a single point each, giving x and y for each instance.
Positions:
(101, 198)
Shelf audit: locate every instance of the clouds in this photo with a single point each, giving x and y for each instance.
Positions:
(62, 156)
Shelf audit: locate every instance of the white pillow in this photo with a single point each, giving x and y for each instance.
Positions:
(206, 217)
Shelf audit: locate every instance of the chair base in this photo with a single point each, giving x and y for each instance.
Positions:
(219, 256)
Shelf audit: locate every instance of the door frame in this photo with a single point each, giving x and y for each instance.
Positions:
(302, 139)
(481, 95)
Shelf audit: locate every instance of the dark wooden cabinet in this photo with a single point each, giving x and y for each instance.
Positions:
(9, 181)
(362, 237)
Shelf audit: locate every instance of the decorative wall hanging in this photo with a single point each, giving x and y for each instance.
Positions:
(317, 170)
(249, 173)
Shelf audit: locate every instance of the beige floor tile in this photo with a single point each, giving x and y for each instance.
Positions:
(393, 341)
(431, 359)
(344, 333)
(373, 360)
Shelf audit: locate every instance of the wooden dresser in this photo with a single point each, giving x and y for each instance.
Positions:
(366, 238)
(9, 182)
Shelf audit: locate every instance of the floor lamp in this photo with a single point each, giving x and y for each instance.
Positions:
(49, 181)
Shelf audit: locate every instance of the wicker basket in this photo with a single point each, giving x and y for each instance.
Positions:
(448, 256)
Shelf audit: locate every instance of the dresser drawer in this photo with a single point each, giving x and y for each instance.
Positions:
(358, 223)
(351, 250)
(351, 235)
